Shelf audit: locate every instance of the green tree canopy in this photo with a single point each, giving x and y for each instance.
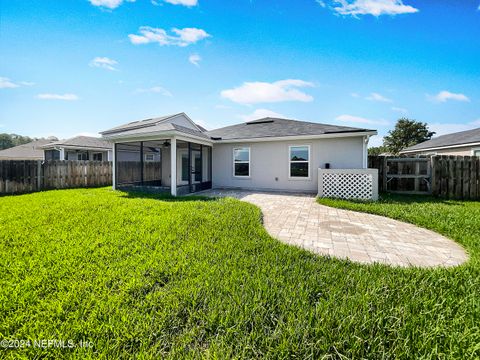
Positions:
(11, 140)
(406, 133)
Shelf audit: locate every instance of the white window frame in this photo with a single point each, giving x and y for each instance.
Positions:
(475, 149)
(96, 153)
(242, 162)
(290, 177)
(146, 159)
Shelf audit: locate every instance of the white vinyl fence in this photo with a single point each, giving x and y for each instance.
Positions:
(359, 184)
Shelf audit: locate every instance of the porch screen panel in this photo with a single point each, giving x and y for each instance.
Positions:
(152, 163)
(128, 163)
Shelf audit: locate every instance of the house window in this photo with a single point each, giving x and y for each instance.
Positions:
(97, 156)
(476, 152)
(299, 159)
(149, 157)
(82, 156)
(241, 162)
(52, 155)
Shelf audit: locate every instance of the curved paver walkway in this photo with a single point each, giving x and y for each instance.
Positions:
(297, 219)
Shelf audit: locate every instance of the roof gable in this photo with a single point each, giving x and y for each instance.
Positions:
(180, 119)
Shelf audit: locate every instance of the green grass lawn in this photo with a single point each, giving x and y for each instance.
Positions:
(150, 277)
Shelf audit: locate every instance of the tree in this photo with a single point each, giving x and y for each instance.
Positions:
(11, 140)
(377, 150)
(406, 133)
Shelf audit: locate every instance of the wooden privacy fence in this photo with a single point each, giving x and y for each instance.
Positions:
(454, 177)
(21, 176)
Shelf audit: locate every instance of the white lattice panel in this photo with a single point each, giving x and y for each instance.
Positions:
(348, 186)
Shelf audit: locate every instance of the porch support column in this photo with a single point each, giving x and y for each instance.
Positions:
(173, 166)
(114, 167)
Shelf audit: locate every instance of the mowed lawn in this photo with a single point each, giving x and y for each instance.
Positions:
(186, 278)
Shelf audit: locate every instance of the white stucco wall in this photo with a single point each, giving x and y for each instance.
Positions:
(269, 163)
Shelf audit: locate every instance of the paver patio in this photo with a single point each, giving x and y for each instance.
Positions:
(297, 219)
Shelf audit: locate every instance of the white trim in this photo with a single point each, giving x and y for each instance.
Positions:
(296, 137)
(475, 149)
(439, 148)
(365, 151)
(290, 177)
(173, 166)
(159, 135)
(242, 162)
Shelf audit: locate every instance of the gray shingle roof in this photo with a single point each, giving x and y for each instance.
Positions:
(274, 127)
(459, 138)
(30, 151)
(82, 142)
(154, 125)
(138, 124)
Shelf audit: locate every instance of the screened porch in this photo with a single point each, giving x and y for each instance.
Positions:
(148, 166)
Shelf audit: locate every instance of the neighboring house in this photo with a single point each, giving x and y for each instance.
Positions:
(79, 148)
(29, 151)
(76, 148)
(265, 154)
(464, 143)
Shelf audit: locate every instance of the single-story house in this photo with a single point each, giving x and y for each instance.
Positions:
(76, 148)
(265, 154)
(463, 143)
(29, 151)
(79, 148)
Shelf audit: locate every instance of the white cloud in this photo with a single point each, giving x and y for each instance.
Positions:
(261, 113)
(181, 37)
(321, 3)
(357, 119)
(104, 63)
(444, 96)
(66, 97)
(378, 97)
(182, 2)
(400, 110)
(263, 92)
(26, 83)
(372, 7)
(156, 89)
(195, 59)
(6, 83)
(109, 4)
(375, 140)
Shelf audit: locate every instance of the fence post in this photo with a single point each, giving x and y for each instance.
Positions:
(39, 175)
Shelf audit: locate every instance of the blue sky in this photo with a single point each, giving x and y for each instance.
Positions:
(79, 67)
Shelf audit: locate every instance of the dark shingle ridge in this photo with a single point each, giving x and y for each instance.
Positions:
(459, 138)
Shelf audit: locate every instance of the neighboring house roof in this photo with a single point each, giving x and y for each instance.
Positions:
(275, 127)
(87, 142)
(30, 151)
(462, 138)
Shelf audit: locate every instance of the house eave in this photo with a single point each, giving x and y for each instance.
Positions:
(433, 148)
(155, 136)
(298, 137)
